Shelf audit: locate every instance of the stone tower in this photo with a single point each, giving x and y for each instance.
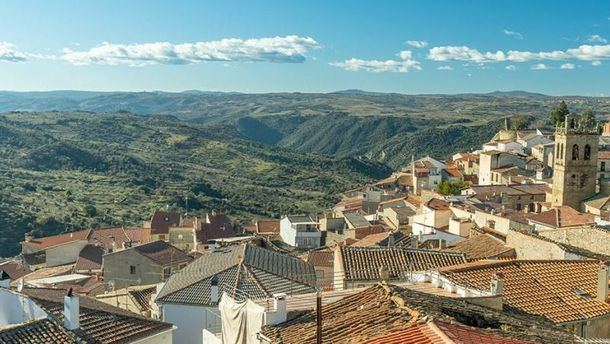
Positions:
(575, 170)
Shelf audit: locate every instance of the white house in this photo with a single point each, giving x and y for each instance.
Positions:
(300, 231)
(190, 298)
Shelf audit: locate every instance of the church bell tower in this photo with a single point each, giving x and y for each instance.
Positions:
(575, 170)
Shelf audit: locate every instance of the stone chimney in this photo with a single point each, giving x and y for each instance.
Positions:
(497, 283)
(5, 280)
(28, 237)
(71, 311)
(214, 292)
(602, 282)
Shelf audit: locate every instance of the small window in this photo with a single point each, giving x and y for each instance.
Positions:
(587, 153)
(602, 167)
(132, 269)
(518, 206)
(180, 236)
(166, 273)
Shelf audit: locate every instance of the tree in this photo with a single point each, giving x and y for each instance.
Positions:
(558, 115)
(587, 119)
(451, 188)
(519, 123)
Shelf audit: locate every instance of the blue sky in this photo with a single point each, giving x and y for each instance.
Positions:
(553, 47)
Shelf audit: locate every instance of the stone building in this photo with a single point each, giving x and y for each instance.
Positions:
(575, 168)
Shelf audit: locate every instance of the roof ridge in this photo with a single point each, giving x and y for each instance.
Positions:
(256, 281)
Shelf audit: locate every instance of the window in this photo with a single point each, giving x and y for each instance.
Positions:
(587, 153)
(572, 123)
(132, 269)
(558, 150)
(518, 206)
(562, 149)
(162, 237)
(491, 224)
(166, 273)
(583, 180)
(572, 180)
(602, 167)
(575, 152)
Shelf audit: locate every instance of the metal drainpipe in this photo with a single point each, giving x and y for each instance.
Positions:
(318, 318)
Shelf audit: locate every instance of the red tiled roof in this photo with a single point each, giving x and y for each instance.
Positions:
(89, 258)
(161, 253)
(564, 216)
(99, 322)
(268, 226)
(162, 220)
(219, 227)
(321, 258)
(442, 332)
(59, 239)
(437, 204)
(560, 290)
(363, 232)
(14, 270)
(481, 247)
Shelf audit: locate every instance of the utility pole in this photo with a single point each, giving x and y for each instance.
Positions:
(318, 318)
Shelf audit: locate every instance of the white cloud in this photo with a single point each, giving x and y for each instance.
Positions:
(9, 53)
(567, 66)
(418, 44)
(511, 68)
(290, 49)
(404, 64)
(464, 53)
(445, 68)
(597, 39)
(596, 63)
(513, 34)
(540, 66)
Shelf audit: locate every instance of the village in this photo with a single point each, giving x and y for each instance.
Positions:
(508, 243)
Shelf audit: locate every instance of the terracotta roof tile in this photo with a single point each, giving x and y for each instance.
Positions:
(100, 322)
(443, 332)
(162, 220)
(482, 247)
(161, 253)
(437, 204)
(59, 239)
(14, 270)
(562, 291)
(89, 258)
(564, 216)
(321, 258)
(363, 263)
(218, 227)
(36, 332)
(384, 310)
(268, 226)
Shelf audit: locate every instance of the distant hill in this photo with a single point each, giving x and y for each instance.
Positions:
(62, 171)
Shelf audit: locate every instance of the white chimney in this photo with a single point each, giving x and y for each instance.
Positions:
(5, 280)
(602, 282)
(71, 311)
(497, 283)
(214, 293)
(279, 303)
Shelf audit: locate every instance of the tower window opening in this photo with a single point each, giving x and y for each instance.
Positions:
(587, 153)
(575, 152)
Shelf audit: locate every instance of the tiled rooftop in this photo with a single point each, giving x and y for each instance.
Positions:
(482, 246)
(383, 310)
(540, 287)
(161, 253)
(442, 332)
(100, 322)
(564, 216)
(321, 258)
(243, 271)
(363, 263)
(36, 332)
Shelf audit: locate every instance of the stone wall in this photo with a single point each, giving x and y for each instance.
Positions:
(530, 247)
(590, 238)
